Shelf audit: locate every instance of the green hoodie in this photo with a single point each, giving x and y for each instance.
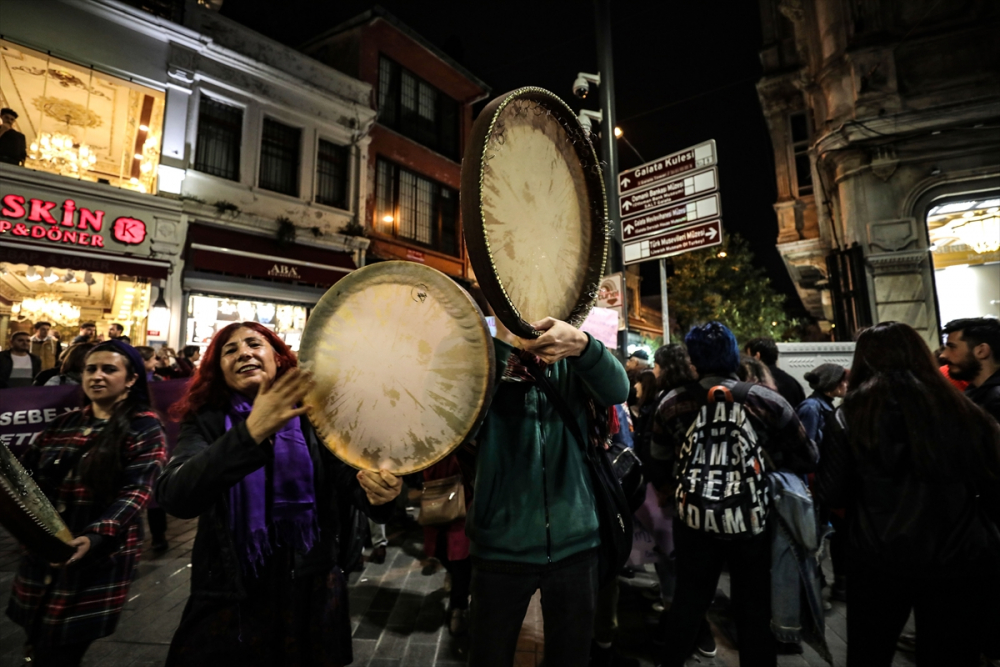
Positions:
(533, 501)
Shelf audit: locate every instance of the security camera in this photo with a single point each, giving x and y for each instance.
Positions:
(581, 87)
(587, 117)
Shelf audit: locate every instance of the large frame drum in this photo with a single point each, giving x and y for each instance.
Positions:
(28, 515)
(404, 365)
(534, 210)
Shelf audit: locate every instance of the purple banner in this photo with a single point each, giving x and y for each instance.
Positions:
(26, 411)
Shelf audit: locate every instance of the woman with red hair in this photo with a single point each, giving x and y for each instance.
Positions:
(267, 586)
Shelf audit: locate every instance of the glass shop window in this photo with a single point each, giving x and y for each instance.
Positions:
(78, 122)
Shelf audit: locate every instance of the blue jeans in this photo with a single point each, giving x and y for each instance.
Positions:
(500, 600)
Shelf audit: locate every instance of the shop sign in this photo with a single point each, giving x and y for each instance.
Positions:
(42, 216)
(284, 271)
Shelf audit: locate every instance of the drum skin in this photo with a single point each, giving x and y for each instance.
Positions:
(534, 211)
(28, 515)
(403, 363)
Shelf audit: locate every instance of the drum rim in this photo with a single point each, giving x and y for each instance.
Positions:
(489, 376)
(473, 217)
(23, 524)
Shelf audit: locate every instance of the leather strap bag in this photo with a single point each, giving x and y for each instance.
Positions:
(613, 512)
(442, 501)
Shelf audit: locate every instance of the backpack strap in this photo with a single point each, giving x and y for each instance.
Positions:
(741, 390)
(562, 408)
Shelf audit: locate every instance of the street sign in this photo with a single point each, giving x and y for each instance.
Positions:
(674, 242)
(697, 157)
(675, 216)
(669, 192)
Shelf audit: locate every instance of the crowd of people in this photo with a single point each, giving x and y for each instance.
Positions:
(41, 359)
(892, 466)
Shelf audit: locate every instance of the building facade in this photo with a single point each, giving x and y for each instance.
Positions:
(424, 101)
(885, 121)
(172, 152)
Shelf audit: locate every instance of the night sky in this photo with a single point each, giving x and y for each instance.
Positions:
(684, 72)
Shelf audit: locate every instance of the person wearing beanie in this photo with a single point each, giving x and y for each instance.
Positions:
(828, 381)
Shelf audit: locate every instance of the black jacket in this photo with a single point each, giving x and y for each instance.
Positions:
(13, 148)
(898, 521)
(7, 366)
(987, 395)
(209, 460)
(788, 387)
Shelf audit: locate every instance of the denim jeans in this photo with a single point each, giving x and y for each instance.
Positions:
(500, 600)
(699, 558)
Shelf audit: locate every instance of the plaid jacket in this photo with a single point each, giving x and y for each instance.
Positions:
(83, 601)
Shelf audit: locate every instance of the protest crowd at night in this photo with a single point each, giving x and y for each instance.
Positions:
(333, 336)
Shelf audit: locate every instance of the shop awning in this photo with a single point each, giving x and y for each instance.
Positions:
(235, 253)
(82, 260)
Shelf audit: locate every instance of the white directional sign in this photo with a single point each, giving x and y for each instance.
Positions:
(674, 242)
(697, 157)
(671, 205)
(674, 216)
(668, 192)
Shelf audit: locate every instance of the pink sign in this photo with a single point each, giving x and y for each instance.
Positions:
(602, 324)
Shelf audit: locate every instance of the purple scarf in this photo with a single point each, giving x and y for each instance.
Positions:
(290, 517)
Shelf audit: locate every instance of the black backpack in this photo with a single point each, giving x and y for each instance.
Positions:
(720, 470)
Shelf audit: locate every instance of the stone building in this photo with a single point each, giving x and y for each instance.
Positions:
(885, 121)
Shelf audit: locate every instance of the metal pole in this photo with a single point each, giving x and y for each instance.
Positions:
(663, 298)
(609, 149)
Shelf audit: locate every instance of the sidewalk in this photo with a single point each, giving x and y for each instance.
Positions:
(397, 611)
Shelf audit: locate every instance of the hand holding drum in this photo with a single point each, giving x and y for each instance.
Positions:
(558, 341)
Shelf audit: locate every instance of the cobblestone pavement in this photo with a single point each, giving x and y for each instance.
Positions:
(397, 610)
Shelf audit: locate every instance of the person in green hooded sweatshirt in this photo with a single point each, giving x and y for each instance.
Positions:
(533, 524)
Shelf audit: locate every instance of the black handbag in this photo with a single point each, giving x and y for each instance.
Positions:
(628, 472)
(613, 513)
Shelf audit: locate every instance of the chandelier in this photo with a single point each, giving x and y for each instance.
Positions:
(982, 235)
(49, 308)
(63, 153)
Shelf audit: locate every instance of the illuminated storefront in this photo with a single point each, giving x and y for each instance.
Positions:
(965, 242)
(73, 251)
(233, 276)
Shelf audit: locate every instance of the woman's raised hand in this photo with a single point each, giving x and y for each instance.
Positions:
(275, 403)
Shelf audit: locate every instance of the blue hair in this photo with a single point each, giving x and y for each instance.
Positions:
(713, 349)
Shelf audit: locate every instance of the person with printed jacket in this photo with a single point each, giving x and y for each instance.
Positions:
(700, 555)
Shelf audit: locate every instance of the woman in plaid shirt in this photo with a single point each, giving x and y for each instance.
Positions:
(97, 466)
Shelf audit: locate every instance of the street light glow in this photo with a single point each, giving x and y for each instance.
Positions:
(722, 254)
(618, 132)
